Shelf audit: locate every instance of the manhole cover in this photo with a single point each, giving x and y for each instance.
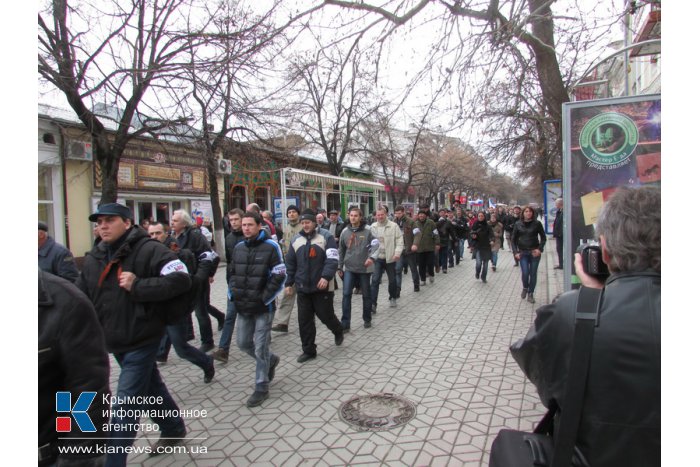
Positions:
(377, 412)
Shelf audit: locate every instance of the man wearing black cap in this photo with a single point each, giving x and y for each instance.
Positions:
(54, 257)
(312, 261)
(125, 276)
(281, 322)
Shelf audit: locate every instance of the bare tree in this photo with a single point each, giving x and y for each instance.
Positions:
(335, 97)
(483, 44)
(113, 54)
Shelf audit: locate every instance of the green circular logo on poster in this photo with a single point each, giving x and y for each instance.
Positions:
(609, 138)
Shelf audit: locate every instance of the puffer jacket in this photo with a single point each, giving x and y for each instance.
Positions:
(257, 274)
(72, 357)
(621, 416)
(390, 238)
(131, 319)
(311, 257)
(355, 247)
(528, 236)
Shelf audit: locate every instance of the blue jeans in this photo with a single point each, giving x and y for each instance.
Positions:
(443, 254)
(253, 337)
(177, 333)
(494, 258)
(482, 265)
(229, 322)
(349, 279)
(380, 265)
(528, 270)
(461, 248)
(139, 376)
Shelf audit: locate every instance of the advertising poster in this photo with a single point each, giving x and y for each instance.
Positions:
(280, 210)
(202, 209)
(609, 143)
(552, 191)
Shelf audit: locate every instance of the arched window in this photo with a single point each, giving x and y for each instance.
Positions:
(236, 197)
(260, 196)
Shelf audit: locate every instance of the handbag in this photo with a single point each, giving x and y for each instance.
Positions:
(542, 447)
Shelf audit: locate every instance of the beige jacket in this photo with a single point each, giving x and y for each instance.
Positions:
(390, 239)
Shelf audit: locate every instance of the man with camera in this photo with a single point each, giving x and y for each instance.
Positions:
(621, 413)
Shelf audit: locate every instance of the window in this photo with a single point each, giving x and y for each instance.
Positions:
(236, 198)
(45, 197)
(260, 196)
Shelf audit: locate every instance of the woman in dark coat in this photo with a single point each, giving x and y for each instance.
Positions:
(482, 239)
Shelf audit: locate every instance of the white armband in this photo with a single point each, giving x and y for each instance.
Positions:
(279, 269)
(332, 253)
(173, 266)
(416, 231)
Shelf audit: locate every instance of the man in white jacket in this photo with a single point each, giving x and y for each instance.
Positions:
(390, 239)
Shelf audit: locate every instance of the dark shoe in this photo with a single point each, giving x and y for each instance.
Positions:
(374, 308)
(523, 294)
(444, 271)
(257, 398)
(346, 328)
(209, 372)
(339, 338)
(493, 268)
(422, 283)
(368, 324)
(416, 288)
(280, 328)
(516, 264)
(530, 298)
(274, 360)
(166, 442)
(451, 266)
(162, 360)
(431, 279)
(392, 303)
(305, 357)
(483, 279)
(477, 275)
(357, 291)
(220, 355)
(398, 292)
(221, 323)
(558, 267)
(206, 347)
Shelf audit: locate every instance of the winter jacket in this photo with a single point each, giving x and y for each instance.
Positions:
(355, 247)
(558, 227)
(311, 257)
(446, 231)
(481, 236)
(290, 230)
(411, 233)
(461, 227)
(509, 223)
(497, 228)
(621, 417)
(58, 260)
(72, 357)
(131, 319)
(525, 236)
(428, 233)
(232, 239)
(257, 274)
(390, 240)
(192, 239)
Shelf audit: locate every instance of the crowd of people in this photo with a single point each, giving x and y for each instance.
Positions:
(143, 285)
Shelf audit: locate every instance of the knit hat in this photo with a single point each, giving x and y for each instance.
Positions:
(43, 226)
(292, 207)
(309, 215)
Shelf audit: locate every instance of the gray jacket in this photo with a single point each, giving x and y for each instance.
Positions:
(355, 246)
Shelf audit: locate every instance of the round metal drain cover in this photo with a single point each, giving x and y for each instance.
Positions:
(377, 412)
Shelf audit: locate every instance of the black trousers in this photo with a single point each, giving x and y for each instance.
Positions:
(310, 305)
(426, 263)
(560, 250)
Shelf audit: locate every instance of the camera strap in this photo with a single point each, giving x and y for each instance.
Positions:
(587, 310)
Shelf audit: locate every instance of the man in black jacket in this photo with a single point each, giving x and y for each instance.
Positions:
(189, 236)
(558, 232)
(72, 359)
(621, 415)
(126, 276)
(257, 277)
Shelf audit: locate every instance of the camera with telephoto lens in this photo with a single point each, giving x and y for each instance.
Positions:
(592, 257)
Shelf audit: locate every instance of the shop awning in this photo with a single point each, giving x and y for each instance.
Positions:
(293, 179)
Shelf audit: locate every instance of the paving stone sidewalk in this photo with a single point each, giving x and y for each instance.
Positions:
(445, 348)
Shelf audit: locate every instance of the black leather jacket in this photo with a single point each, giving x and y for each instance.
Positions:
(621, 419)
(528, 236)
(72, 357)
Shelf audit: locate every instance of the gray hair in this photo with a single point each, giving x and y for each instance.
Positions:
(185, 216)
(630, 221)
